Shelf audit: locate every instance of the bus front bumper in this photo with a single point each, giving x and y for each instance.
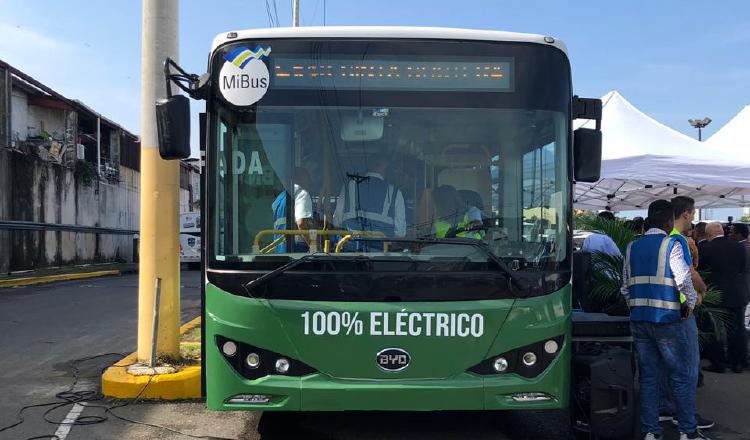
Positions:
(319, 392)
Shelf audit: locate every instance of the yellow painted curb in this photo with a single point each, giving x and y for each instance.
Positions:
(17, 282)
(184, 384)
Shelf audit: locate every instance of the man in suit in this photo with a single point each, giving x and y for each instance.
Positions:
(725, 259)
(740, 234)
(700, 237)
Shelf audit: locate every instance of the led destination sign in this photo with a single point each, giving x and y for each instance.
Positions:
(494, 75)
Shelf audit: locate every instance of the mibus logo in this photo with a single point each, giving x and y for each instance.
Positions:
(392, 359)
(243, 78)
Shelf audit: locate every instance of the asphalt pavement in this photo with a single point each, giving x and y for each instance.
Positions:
(44, 328)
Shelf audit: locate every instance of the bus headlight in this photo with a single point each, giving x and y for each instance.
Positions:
(229, 348)
(551, 346)
(500, 364)
(529, 359)
(526, 361)
(282, 365)
(255, 362)
(252, 360)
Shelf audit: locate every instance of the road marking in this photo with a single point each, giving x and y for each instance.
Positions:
(64, 429)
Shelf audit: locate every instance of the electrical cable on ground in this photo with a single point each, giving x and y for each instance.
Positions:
(70, 397)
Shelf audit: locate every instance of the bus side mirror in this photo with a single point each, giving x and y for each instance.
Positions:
(587, 142)
(173, 126)
(587, 155)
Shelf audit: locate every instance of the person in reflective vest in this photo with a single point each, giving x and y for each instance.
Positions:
(303, 212)
(369, 202)
(684, 213)
(656, 269)
(452, 219)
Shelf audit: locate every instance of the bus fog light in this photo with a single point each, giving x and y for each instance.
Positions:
(531, 397)
(249, 398)
(500, 364)
(282, 365)
(229, 348)
(529, 359)
(551, 347)
(252, 360)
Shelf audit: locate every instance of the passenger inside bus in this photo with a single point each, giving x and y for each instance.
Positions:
(456, 216)
(303, 211)
(370, 202)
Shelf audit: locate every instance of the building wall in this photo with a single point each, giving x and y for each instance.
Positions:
(45, 192)
(45, 119)
(5, 209)
(18, 115)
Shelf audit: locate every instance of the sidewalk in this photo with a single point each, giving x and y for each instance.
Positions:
(52, 274)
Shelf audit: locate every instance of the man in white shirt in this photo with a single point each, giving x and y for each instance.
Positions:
(303, 211)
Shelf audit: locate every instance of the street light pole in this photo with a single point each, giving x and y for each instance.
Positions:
(700, 124)
(295, 13)
(160, 183)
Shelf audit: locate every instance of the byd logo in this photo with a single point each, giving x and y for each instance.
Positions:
(392, 359)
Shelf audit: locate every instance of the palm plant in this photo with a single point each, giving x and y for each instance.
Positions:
(606, 269)
(713, 320)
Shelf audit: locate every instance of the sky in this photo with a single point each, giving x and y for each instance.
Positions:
(673, 59)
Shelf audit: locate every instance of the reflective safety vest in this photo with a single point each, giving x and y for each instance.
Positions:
(279, 223)
(441, 228)
(375, 208)
(676, 233)
(653, 291)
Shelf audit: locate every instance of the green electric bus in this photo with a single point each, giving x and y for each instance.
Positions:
(464, 302)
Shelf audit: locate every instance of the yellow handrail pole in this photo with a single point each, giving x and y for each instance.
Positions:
(273, 245)
(342, 242)
(326, 248)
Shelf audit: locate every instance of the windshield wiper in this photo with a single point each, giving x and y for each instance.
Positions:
(266, 277)
(512, 276)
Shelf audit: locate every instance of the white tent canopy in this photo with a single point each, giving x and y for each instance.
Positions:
(644, 160)
(733, 139)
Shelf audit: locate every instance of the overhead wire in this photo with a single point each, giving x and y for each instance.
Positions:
(315, 12)
(268, 13)
(276, 13)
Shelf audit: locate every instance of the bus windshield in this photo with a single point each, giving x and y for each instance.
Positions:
(328, 172)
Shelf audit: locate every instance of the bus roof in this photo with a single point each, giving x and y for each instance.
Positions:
(402, 32)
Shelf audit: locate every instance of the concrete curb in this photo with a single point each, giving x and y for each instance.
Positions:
(28, 281)
(181, 385)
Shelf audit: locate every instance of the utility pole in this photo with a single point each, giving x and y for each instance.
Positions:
(700, 124)
(160, 180)
(295, 13)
